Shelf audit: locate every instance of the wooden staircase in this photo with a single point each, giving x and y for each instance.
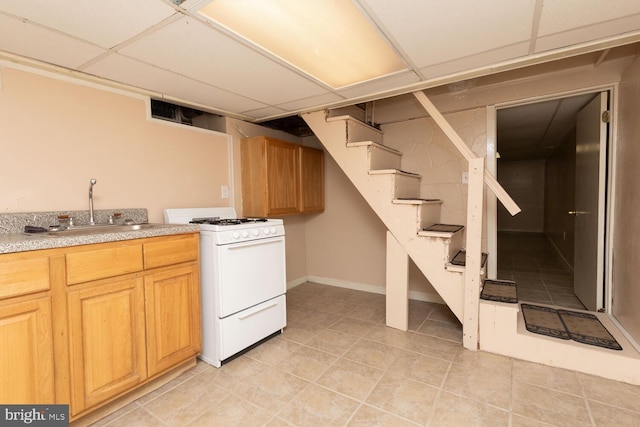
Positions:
(394, 195)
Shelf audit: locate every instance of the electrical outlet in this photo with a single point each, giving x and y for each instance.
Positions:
(224, 190)
(465, 177)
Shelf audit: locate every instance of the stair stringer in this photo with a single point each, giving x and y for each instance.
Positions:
(430, 254)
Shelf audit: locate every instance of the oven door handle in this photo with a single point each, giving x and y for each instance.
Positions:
(253, 243)
(261, 309)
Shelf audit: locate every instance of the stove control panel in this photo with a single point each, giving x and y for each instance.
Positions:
(223, 237)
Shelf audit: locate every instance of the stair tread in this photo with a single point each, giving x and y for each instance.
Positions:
(375, 144)
(460, 258)
(414, 201)
(348, 117)
(444, 228)
(393, 171)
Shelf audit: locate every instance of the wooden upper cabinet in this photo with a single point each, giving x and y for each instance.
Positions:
(275, 175)
(311, 179)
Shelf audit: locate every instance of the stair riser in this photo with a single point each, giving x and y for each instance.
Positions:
(405, 186)
(358, 131)
(395, 186)
(429, 214)
(382, 159)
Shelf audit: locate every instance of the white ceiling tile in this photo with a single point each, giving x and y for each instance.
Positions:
(563, 15)
(476, 61)
(26, 39)
(434, 32)
(105, 23)
(120, 68)
(191, 48)
(588, 33)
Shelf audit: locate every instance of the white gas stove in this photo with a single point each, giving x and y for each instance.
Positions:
(243, 278)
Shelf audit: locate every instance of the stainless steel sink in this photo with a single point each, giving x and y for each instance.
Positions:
(83, 230)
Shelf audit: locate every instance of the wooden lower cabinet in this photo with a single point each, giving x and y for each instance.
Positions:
(172, 310)
(26, 353)
(87, 325)
(106, 341)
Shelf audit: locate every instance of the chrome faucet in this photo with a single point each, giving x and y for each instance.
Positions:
(91, 184)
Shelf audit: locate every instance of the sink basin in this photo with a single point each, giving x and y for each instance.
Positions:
(83, 230)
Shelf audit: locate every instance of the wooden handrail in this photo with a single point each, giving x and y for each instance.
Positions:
(466, 152)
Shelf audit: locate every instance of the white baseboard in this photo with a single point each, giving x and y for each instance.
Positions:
(366, 287)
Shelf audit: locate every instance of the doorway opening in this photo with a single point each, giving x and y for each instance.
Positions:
(551, 156)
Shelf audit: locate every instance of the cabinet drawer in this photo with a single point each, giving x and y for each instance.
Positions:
(103, 263)
(249, 326)
(21, 275)
(171, 251)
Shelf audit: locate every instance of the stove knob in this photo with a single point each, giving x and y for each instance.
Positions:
(265, 231)
(235, 235)
(273, 230)
(245, 234)
(255, 232)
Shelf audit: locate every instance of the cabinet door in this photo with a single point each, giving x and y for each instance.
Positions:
(173, 317)
(311, 179)
(283, 184)
(106, 341)
(26, 353)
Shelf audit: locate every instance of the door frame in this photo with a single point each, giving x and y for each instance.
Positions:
(610, 188)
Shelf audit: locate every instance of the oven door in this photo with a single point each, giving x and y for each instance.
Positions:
(248, 273)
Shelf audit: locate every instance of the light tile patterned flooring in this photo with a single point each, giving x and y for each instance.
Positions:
(337, 364)
(531, 261)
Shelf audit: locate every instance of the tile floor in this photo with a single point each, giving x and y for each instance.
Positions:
(531, 261)
(336, 364)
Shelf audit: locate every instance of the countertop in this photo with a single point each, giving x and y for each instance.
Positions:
(22, 242)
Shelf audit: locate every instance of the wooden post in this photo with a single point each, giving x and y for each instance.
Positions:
(397, 303)
(475, 199)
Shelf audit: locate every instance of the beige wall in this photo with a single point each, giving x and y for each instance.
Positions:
(524, 181)
(626, 252)
(346, 243)
(56, 135)
(428, 152)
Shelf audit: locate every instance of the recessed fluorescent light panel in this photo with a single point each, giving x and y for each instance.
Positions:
(327, 39)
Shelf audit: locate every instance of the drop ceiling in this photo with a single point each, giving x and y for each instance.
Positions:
(171, 52)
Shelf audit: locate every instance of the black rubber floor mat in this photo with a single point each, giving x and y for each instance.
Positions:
(461, 258)
(587, 329)
(500, 291)
(544, 321)
(444, 228)
(581, 327)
